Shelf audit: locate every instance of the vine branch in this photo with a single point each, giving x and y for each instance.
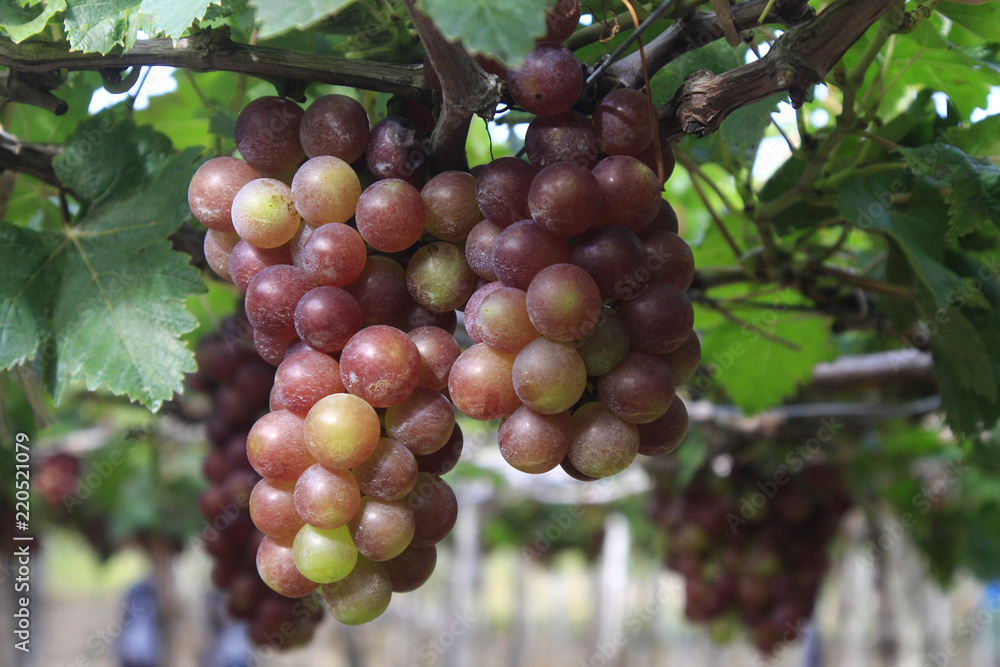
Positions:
(214, 50)
(800, 58)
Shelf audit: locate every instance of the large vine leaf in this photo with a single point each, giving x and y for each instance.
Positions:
(974, 184)
(957, 301)
(505, 30)
(745, 362)
(20, 24)
(104, 299)
(102, 25)
(279, 17)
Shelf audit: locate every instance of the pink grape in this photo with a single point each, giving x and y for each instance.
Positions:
(341, 431)
(361, 596)
(335, 125)
(382, 529)
(665, 434)
(503, 321)
(272, 296)
(213, 187)
(325, 190)
(389, 473)
(549, 376)
(659, 319)
(439, 278)
(381, 291)
(479, 249)
(267, 134)
(218, 248)
(502, 190)
(380, 364)
(601, 444)
(563, 302)
(326, 498)
(277, 568)
(264, 213)
(532, 442)
(276, 447)
(390, 215)
(438, 350)
(450, 202)
(639, 389)
(549, 81)
(246, 261)
(524, 249)
(302, 379)
(480, 383)
(422, 423)
(326, 318)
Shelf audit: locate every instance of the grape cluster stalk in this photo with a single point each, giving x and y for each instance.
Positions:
(354, 260)
(753, 546)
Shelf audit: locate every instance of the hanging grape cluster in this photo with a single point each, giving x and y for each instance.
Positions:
(239, 381)
(753, 546)
(354, 259)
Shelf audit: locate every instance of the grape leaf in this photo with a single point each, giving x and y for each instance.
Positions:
(504, 30)
(744, 360)
(102, 25)
(106, 296)
(280, 17)
(170, 17)
(983, 21)
(24, 260)
(745, 127)
(959, 303)
(974, 196)
(20, 24)
(716, 57)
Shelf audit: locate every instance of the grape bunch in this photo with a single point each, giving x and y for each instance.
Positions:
(239, 382)
(350, 454)
(752, 546)
(582, 329)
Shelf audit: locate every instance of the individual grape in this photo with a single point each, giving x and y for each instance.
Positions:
(471, 311)
(213, 187)
(272, 349)
(326, 318)
(631, 191)
(381, 365)
(602, 444)
(524, 249)
(360, 597)
(684, 360)
(664, 434)
(648, 157)
(326, 498)
(246, 261)
(325, 190)
(298, 242)
(411, 569)
(439, 278)
(335, 125)
(665, 220)
(302, 379)
(267, 134)
(389, 473)
(668, 258)
(571, 470)
(503, 322)
(382, 529)
(218, 247)
(435, 509)
(549, 80)
(272, 508)
(396, 151)
(549, 376)
(278, 568)
(561, 20)
(479, 249)
(502, 190)
(565, 137)
(341, 431)
(444, 459)
(624, 122)
(613, 257)
(322, 555)
(438, 350)
(264, 213)
(381, 291)
(276, 447)
(532, 442)
(563, 302)
(605, 346)
(390, 215)
(480, 383)
(659, 319)
(422, 423)
(639, 389)
(418, 317)
(565, 199)
(450, 203)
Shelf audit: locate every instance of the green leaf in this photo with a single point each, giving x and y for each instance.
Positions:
(25, 273)
(280, 17)
(21, 25)
(975, 184)
(983, 21)
(107, 294)
(506, 30)
(745, 127)
(100, 25)
(746, 363)
(170, 18)
(982, 138)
